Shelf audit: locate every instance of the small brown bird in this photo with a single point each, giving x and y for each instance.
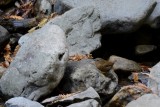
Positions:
(103, 65)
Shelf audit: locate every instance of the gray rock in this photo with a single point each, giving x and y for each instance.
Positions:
(83, 74)
(89, 93)
(116, 15)
(23, 39)
(154, 81)
(87, 103)
(38, 66)
(4, 36)
(124, 64)
(45, 6)
(144, 49)
(81, 26)
(154, 18)
(148, 100)
(21, 102)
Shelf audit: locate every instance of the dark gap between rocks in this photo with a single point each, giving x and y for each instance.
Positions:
(123, 45)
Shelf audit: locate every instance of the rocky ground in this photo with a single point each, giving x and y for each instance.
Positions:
(79, 53)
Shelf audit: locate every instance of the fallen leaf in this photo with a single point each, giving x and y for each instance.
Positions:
(14, 17)
(79, 57)
(42, 22)
(135, 77)
(57, 98)
(7, 54)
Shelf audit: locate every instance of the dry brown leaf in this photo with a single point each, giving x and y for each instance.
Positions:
(143, 86)
(26, 5)
(42, 22)
(53, 15)
(144, 67)
(59, 97)
(7, 47)
(79, 57)
(26, 12)
(63, 96)
(14, 17)
(7, 54)
(135, 77)
(4, 64)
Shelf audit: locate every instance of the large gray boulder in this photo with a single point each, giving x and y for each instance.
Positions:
(83, 74)
(81, 26)
(147, 100)
(38, 66)
(21, 102)
(116, 15)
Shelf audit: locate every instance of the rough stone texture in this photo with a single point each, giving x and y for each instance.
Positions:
(45, 6)
(148, 100)
(2, 70)
(124, 64)
(4, 37)
(89, 93)
(83, 74)
(81, 26)
(87, 103)
(154, 81)
(116, 15)
(38, 66)
(144, 49)
(21, 102)
(23, 39)
(154, 18)
(127, 94)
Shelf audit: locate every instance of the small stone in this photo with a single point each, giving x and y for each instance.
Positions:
(143, 49)
(124, 64)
